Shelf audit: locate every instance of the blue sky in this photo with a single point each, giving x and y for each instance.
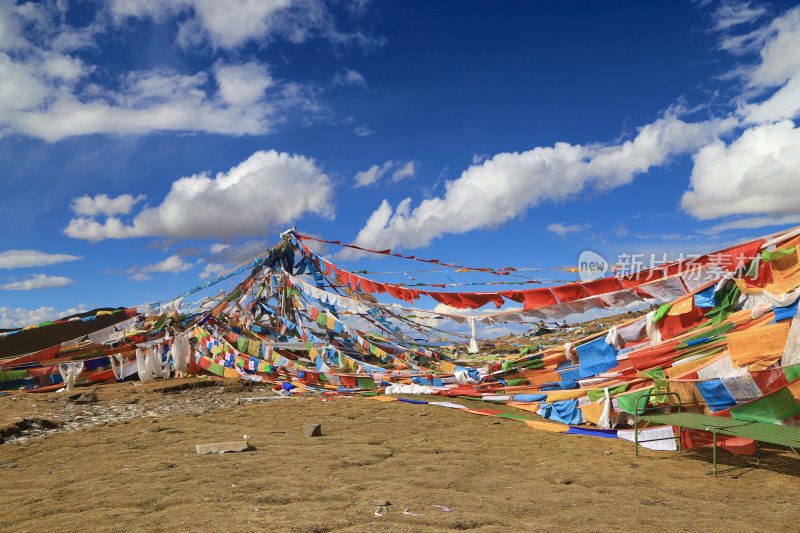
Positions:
(147, 145)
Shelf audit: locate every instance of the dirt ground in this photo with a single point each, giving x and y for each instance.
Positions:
(127, 463)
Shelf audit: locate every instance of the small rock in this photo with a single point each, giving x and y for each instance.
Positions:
(222, 447)
(84, 398)
(423, 414)
(608, 452)
(564, 481)
(47, 471)
(312, 430)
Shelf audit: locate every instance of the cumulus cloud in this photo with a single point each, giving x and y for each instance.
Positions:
(376, 172)
(234, 23)
(146, 101)
(218, 247)
(32, 258)
(505, 186)
(559, 228)
(50, 91)
(103, 204)
(779, 60)
(212, 270)
(758, 173)
(173, 264)
(17, 317)
(243, 84)
(266, 190)
(37, 281)
(372, 174)
(778, 67)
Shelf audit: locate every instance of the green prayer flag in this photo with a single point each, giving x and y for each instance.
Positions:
(771, 408)
(366, 383)
(217, 370)
(13, 375)
(725, 299)
(628, 402)
(241, 344)
(513, 416)
(660, 383)
(661, 313)
(596, 394)
(791, 372)
(778, 253)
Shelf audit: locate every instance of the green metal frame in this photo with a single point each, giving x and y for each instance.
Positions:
(757, 431)
(638, 414)
(713, 425)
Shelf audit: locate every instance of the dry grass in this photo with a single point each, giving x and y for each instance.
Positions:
(496, 475)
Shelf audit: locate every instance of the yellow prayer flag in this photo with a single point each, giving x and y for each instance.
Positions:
(547, 426)
(569, 394)
(758, 347)
(682, 307)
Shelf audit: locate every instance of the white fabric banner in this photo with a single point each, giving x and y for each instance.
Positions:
(663, 432)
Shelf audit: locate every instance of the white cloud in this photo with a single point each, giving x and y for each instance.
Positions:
(234, 23)
(376, 172)
(49, 92)
(218, 247)
(349, 77)
(37, 281)
(103, 204)
(363, 131)
(173, 264)
(226, 24)
(778, 45)
(405, 171)
(779, 57)
(238, 254)
(784, 103)
(266, 190)
(242, 85)
(32, 258)
(372, 174)
(751, 223)
(212, 270)
(559, 228)
(17, 317)
(758, 173)
(508, 184)
(10, 27)
(732, 13)
(155, 100)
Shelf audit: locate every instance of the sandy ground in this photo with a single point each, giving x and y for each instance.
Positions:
(129, 464)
